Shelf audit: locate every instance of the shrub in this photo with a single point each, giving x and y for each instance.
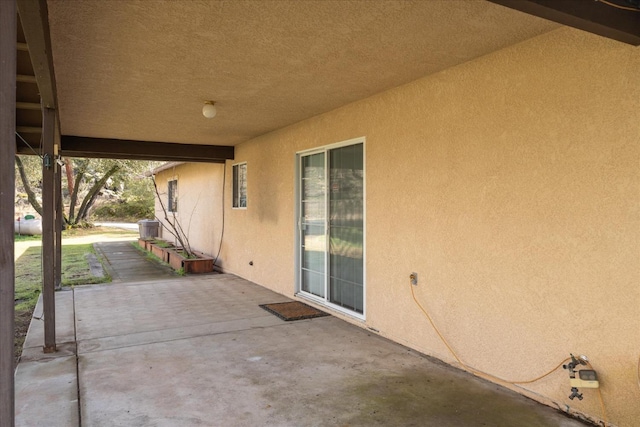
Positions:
(123, 211)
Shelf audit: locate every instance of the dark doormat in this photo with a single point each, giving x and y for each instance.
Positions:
(294, 310)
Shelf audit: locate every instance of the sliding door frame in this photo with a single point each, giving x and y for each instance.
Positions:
(298, 223)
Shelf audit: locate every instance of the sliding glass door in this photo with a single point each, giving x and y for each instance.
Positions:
(331, 206)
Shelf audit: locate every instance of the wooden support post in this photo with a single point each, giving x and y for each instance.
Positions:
(58, 216)
(48, 235)
(8, 30)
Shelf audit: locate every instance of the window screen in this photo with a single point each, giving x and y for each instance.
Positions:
(172, 196)
(240, 185)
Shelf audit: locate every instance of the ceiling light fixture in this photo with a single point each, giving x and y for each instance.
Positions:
(209, 109)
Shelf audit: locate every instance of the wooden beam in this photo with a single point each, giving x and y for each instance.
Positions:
(48, 235)
(28, 106)
(78, 146)
(24, 150)
(592, 16)
(8, 31)
(23, 78)
(28, 129)
(35, 25)
(31, 139)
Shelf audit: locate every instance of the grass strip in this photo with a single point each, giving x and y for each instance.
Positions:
(28, 282)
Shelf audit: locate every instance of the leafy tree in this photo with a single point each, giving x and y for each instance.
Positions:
(96, 175)
(31, 188)
(128, 200)
(86, 181)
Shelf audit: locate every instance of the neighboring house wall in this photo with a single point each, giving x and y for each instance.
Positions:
(511, 185)
(199, 203)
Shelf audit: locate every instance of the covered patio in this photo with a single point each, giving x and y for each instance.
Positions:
(200, 351)
(128, 80)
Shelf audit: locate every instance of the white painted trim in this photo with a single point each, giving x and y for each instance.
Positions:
(352, 141)
(364, 228)
(324, 303)
(164, 167)
(297, 248)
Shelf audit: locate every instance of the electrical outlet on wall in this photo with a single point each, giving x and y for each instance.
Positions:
(414, 279)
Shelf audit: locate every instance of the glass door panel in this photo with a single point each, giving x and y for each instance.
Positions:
(346, 227)
(313, 232)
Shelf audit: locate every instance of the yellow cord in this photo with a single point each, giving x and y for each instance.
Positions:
(638, 371)
(498, 379)
(469, 368)
(617, 6)
(543, 375)
(604, 412)
(433, 325)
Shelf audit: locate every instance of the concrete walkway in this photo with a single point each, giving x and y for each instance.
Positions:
(126, 263)
(198, 351)
(131, 226)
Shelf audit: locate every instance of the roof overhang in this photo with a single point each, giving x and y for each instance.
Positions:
(164, 167)
(129, 79)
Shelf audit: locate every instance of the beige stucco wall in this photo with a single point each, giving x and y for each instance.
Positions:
(511, 185)
(199, 203)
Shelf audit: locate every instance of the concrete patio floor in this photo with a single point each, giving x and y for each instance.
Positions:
(198, 351)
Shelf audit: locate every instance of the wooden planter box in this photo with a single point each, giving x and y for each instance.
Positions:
(173, 257)
(202, 264)
(160, 252)
(145, 244)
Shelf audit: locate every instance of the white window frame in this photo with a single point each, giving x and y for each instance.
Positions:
(235, 197)
(170, 194)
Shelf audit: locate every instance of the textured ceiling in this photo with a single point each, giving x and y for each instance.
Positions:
(142, 69)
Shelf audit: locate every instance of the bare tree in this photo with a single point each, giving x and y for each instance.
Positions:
(175, 228)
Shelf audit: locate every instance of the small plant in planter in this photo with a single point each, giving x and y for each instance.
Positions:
(162, 243)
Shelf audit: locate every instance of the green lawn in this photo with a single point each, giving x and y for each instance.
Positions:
(28, 281)
(90, 231)
(75, 267)
(25, 237)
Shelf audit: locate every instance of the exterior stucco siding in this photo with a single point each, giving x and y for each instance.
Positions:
(199, 203)
(511, 184)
